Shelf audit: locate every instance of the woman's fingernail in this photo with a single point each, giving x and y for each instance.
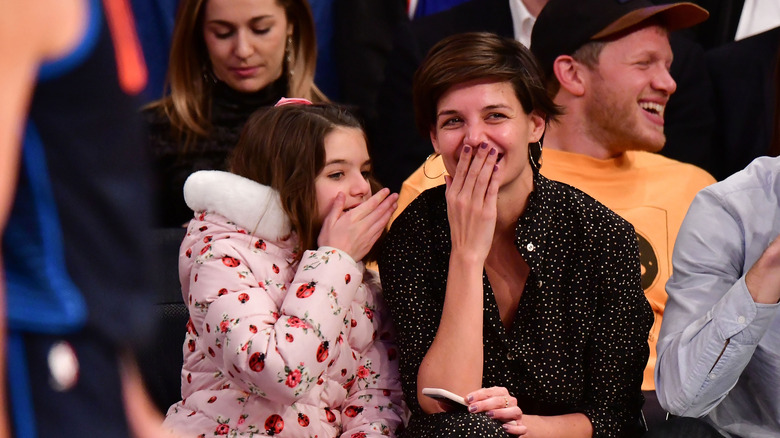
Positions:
(466, 149)
(472, 408)
(492, 151)
(495, 168)
(470, 398)
(505, 426)
(490, 414)
(483, 145)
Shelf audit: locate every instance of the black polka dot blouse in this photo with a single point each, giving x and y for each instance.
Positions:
(578, 343)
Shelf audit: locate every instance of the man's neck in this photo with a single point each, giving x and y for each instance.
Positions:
(569, 135)
(534, 6)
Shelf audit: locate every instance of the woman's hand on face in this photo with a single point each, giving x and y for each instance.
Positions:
(471, 199)
(356, 230)
(500, 406)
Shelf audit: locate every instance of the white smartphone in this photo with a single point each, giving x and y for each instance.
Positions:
(442, 395)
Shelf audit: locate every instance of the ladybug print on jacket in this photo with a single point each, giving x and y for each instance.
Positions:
(322, 351)
(260, 244)
(257, 362)
(243, 297)
(275, 269)
(303, 419)
(352, 410)
(274, 425)
(230, 262)
(329, 415)
(305, 290)
(289, 337)
(347, 279)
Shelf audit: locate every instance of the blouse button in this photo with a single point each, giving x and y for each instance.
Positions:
(530, 247)
(539, 283)
(741, 319)
(510, 356)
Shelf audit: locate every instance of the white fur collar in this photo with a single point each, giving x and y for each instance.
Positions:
(248, 204)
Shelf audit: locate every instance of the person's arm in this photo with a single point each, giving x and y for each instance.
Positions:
(272, 334)
(29, 33)
(375, 392)
(712, 324)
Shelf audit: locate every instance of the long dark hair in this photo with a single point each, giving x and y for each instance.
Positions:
(284, 148)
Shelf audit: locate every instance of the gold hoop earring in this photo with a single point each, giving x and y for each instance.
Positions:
(535, 156)
(289, 56)
(425, 170)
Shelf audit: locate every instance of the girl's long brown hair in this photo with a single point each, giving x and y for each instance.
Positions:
(284, 148)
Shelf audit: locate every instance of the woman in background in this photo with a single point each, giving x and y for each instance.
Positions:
(288, 332)
(228, 58)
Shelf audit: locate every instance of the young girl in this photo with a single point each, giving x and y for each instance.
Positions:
(288, 334)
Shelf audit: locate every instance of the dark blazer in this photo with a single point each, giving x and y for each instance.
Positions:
(399, 149)
(744, 99)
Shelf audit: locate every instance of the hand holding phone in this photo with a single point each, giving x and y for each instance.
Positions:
(449, 399)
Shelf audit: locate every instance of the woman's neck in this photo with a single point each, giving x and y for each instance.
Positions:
(512, 201)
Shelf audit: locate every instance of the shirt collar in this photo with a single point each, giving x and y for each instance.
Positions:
(522, 21)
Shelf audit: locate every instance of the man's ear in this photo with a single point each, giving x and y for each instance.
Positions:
(570, 74)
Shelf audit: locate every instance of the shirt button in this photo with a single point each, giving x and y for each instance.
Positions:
(539, 284)
(712, 376)
(530, 247)
(510, 356)
(741, 319)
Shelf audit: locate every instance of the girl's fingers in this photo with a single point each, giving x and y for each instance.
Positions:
(367, 207)
(336, 210)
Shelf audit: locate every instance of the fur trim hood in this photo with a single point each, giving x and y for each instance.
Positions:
(252, 206)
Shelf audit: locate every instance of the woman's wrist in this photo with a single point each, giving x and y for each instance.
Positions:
(465, 258)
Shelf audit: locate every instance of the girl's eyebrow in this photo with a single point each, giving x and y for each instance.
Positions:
(252, 20)
(343, 161)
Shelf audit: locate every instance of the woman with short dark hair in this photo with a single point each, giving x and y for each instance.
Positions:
(520, 294)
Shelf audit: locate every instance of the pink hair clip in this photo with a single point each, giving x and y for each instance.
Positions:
(293, 101)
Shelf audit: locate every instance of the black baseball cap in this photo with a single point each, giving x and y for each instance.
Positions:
(563, 26)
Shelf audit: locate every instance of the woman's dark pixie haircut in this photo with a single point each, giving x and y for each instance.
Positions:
(473, 56)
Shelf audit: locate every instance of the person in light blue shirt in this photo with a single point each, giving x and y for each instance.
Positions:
(719, 348)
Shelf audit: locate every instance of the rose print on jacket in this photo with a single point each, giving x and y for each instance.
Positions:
(297, 378)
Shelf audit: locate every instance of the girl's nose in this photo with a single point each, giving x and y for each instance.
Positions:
(359, 186)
